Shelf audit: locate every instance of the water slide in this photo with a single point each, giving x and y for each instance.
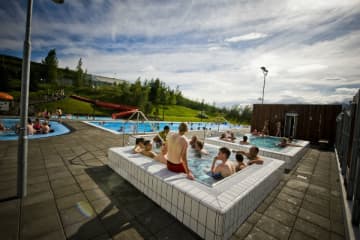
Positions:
(125, 109)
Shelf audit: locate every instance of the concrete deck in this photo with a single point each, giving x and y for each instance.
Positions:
(72, 194)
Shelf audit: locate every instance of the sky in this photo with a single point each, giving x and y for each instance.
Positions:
(211, 49)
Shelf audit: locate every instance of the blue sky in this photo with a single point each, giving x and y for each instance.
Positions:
(213, 50)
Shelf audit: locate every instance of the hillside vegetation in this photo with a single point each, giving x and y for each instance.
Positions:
(50, 87)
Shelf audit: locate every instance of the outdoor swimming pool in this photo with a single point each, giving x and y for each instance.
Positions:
(120, 127)
(10, 123)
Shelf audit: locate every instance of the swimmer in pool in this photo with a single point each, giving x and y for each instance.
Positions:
(225, 168)
(199, 148)
(252, 155)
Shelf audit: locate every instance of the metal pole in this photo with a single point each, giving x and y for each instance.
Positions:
(262, 99)
(24, 103)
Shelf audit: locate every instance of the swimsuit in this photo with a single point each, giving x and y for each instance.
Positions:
(217, 176)
(178, 168)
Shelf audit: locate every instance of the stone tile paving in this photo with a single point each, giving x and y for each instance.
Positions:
(72, 194)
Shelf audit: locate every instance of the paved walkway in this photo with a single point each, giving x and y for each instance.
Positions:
(73, 194)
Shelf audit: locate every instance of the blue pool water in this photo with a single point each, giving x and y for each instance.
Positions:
(146, 127)
(10, 134)
(200, 165)
(265, 142)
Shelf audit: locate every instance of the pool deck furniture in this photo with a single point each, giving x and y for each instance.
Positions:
(290, 155)
(212, 212)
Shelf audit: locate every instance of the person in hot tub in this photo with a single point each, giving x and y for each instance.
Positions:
(147, 151)
(177, 152)
(252, 155)
(225, 168)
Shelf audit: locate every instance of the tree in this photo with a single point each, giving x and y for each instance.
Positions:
(79, 77)
(51, 64)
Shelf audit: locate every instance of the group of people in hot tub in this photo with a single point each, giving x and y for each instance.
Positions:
(174, 153)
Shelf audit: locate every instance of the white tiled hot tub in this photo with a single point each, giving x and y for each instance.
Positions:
(213, 212)
(290, 155)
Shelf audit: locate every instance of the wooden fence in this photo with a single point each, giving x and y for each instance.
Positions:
(308, 122)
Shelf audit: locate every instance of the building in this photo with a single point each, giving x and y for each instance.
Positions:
(301, 121)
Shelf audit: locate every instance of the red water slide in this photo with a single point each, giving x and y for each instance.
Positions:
(125, 109)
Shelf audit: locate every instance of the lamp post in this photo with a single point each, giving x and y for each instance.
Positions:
(24, 104)
(265, 72)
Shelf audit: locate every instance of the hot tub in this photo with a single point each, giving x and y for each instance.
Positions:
(213, 211)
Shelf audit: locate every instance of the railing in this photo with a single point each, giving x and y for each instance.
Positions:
(348, 150)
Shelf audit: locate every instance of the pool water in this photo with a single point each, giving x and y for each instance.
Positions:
(200, 165)
(266, 142)
(10, 134)
(146, 126)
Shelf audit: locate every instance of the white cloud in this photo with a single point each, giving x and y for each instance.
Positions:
(246, 37)
(311, 49)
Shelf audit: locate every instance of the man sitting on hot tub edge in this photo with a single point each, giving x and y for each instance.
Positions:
(177, 152)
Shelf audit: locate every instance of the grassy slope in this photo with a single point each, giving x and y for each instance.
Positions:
(69, 105)
(172, 112)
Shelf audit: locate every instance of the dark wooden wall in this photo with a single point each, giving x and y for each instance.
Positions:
(315, 122)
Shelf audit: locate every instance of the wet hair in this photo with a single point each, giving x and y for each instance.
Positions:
(200, 144)
(239, 157)
(183, 127)
(139, 140)
(245, 138)
(29, 121)
(147, 142)
(166, 127)
(226, 151)
(256, 149)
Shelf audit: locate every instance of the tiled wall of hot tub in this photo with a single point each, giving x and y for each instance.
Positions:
(213, 213)
(291, 155)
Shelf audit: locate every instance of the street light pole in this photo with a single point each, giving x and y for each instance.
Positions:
(265, 72)
(24, 105)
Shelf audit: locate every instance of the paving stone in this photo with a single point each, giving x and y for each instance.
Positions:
(281, 216)
(38, 210)
(94, 194)
(338, 228)
(319, 201)
(274, 228)
(285, 206)
(289, 199)
(57, 235)
(335, 236)
(61, 174)
(176, 231)
(314, 218)
(62, 182)
(66, 190)
(254, 217)
(257, 234)
(294, 193)
(37, 198)
(297, 185)
(101, 204)
(311, 229)
(297, 235)
(37, 179)
(156, 220)
(39, 187)
(243, 230)
(316, 208)
(70, 200)
(9, 219)
(41, 226)
(75, 214)
(86, 229)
